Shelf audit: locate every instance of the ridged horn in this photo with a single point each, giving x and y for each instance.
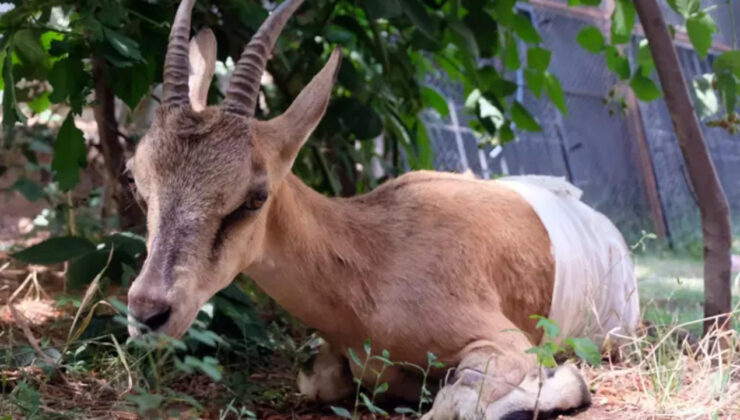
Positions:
(241, 96)
(177, 62)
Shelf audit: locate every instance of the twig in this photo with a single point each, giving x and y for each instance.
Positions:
(540, 381)
(122, 356)
(18, 290)
(88, 296)
(22, 322)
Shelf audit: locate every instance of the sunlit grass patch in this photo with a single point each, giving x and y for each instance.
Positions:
(672, 291)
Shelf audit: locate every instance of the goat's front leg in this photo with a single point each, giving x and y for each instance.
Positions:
(488, 370)
(328, 378)
(493, 383)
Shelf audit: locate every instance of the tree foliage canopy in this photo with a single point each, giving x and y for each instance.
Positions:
(393, 49)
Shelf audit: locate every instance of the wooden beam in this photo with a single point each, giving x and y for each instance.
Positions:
(645, 163)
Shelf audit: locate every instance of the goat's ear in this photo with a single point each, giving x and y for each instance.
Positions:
(290, 130)
(202, 65)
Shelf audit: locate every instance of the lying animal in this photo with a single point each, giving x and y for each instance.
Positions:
(428, 262)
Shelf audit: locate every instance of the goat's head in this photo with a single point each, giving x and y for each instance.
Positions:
(206, 174)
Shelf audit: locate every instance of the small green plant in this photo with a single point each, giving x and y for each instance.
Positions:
(363, 400)
(240, 413)
(641, 243)
(584, 348)
(425, 396)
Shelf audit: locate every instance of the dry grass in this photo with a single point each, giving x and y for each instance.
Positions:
(658, 374)
(661, 377)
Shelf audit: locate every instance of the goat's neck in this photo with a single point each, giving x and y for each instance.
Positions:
(316, 249)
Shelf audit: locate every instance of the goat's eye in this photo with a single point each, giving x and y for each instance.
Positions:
(256, 200)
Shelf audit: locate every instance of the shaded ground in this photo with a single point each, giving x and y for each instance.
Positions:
(653, 380)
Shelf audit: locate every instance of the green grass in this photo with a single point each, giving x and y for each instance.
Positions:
(672, 290)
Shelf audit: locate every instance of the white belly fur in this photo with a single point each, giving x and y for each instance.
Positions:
(595, 292)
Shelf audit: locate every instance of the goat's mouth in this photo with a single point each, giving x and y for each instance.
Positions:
(172, 322)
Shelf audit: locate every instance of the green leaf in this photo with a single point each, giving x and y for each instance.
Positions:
(535, 80)
(548, 326)
(592, 3)
(465, 39)
(525, 30)
(83, 270)
(417, 13)
(538, 58)
(433, 99)
(124, 45)
(128, 243)
(728, 61)
(700, 28)
(705, 98)
(31, 190)
(55, 250)
(511, 55)
(504, 11)
(70, 154)
(207, 365)
(591, 39)
(112, 13)
(623, 20)
(586, 350)
(354, 358)
(490, 112)
(40, 103)
(545, 357)
(523, 119)
(361, 120)
(30, 52)
(11, 112)
(341, 412)
(382, 9)
(367, 347)
(50, 38)
(505, 133)
(406, 410)
(132, 84)
(471, 101)
(644, 88)
(617, 62)
(645, 58)
(727, 89)
(685, 7)
(555, 91)
(350, 78)
(68, 79)
(485, 30)
(93, 27)
(2, 65)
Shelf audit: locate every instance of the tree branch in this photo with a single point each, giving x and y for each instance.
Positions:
(713, 206)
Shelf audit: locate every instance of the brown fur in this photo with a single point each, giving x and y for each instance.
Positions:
(429, 262)
(442, 250)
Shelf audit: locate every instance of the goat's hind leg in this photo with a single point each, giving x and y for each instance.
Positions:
(327, 378)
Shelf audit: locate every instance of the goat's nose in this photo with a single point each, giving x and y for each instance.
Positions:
(152, 313)
(158, 319)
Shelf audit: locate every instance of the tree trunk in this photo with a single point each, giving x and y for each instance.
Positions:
(129, 213)
(715, 212)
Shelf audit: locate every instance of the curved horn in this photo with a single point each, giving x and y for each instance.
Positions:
(176, 62)
(241, 96)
